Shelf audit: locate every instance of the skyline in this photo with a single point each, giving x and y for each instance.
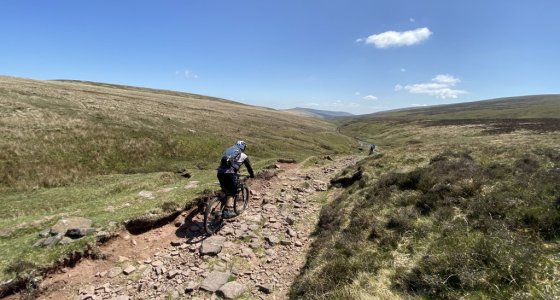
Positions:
(358, 56)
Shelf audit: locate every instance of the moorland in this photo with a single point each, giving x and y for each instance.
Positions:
(460, 200)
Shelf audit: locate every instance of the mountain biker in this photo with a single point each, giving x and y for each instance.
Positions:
(372, 148)
(230, 163)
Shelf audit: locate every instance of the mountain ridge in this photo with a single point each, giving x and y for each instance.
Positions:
(540, 106)
(317, 113)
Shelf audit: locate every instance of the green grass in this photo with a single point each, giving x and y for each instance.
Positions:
(91, 199)
(58, 133)
(87, 149)
(522, 107)
(443, 212)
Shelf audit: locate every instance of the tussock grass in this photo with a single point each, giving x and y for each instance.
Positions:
(56, 133)
(512, 109)
(87, 149)
(462, 214)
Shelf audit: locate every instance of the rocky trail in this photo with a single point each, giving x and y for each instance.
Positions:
(257, 255)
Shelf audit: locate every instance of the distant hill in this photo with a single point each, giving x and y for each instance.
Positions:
(316, 113)
(522, 107)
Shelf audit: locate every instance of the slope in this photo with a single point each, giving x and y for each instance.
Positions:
(522, 107)
(111, 154)
(448, 208)
(56, 132)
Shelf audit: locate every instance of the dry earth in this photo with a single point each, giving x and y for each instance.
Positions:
(258, 253)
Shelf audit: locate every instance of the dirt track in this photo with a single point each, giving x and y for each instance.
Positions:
(262, 250)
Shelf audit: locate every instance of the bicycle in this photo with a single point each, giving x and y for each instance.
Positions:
(214, 212)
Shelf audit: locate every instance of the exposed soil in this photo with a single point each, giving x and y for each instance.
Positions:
(263, 249)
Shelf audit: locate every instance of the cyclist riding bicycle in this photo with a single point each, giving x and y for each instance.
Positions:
(230, 163)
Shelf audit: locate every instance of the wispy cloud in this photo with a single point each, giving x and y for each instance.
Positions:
(370, 97)
(403, 70)
(446, 79)
(398, 38)
(442, 86)
(186, 74)
(412, 20)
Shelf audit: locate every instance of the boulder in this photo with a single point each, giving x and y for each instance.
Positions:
(39, 243)
(63, 225)
(53, 240)
(214, 281)
(272, 240)
(231, 290)
(45, 233)
(129, 270)
(291, 232)
(212, 245)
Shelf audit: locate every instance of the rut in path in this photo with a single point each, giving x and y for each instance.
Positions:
(259, 253)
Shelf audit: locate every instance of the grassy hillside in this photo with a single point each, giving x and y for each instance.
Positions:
(57, 132)
(524, 107)
(88, 149)
(445, 210)
(505, 115)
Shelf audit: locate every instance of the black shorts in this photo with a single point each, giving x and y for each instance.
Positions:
(229, 183)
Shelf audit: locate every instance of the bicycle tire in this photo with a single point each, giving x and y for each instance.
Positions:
(213, 215)
(241, 200)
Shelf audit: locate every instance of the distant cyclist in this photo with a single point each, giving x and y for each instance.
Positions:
(230, 163)
(372, 148)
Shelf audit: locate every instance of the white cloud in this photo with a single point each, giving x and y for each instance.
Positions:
(186, 74)
(446, 79)
(398, 38)
(441, 87)
(359, 40)
(370, 97)
(418, 105)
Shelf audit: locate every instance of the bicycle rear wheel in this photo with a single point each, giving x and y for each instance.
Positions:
(241, 200)
(213, 215)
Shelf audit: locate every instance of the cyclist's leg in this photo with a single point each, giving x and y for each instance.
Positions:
(230, 191)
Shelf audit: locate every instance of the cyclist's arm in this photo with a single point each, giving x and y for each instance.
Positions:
(247, 164)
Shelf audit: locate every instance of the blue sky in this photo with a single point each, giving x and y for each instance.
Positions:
(355, 56)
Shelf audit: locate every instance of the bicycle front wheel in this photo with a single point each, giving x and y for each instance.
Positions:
(213, 215)
(241, 200)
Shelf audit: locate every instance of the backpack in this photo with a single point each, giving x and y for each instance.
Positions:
(231, 158)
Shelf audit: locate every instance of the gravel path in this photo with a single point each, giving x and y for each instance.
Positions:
(254, 256)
